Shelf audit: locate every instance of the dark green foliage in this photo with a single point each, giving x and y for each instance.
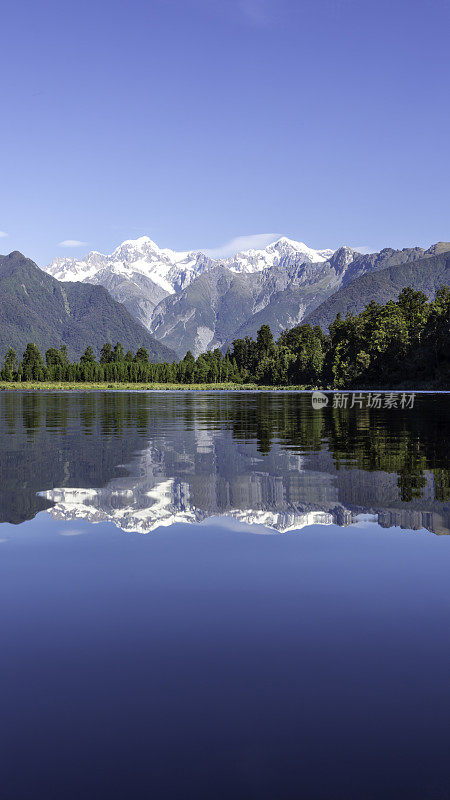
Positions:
(118, 353)
(404, 342)
(88, 356)
(32, 364)
(54, 357)
(106, 354)
(142, 355)
(264, 342)
(425, 274)
(11, 364)
(309, 346)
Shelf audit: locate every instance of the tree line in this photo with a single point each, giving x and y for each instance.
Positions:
(407, 339)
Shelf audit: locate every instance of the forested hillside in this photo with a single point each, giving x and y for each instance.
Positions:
(403, 343)
(34, 307)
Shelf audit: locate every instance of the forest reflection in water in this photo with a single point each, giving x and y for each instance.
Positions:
(145, 459)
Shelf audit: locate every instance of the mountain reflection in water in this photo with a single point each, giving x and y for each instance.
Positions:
(142, 460)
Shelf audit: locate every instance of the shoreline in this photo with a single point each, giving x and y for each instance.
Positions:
(65, 386)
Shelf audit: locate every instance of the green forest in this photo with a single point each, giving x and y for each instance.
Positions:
(404, 342)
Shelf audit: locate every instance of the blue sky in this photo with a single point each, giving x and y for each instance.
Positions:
(199, 121)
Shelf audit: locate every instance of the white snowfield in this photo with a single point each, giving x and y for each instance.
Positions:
(173, 270)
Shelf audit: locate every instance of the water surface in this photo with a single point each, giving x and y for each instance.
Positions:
(204, 660)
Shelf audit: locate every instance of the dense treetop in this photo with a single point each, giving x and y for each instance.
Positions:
(403, 342)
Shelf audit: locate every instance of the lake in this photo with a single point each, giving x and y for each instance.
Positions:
(224, 595)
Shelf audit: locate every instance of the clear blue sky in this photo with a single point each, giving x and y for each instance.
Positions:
(197, 121)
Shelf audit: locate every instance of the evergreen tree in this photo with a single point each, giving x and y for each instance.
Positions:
(32, 364)
(106, 354)
(142, 355)
(264, 342)
(64, 356)
(118, 353)
(187, 368)
(54, 357)
(11, 361)
(88, 356)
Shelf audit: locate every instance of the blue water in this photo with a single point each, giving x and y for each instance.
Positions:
(241, 652)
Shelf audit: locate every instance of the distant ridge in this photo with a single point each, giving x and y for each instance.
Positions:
(425, 274)
(190, 301)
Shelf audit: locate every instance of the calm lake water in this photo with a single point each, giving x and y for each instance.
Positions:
(223, 596)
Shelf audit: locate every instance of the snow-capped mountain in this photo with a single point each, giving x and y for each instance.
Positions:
(173, 270)
(191, 301)
(283, 251)
(169, 269)
(140, 274)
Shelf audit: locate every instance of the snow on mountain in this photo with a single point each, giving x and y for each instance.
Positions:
(283, 250)
(173, 270)
(72, 269)
(142, 275)
(169, 269)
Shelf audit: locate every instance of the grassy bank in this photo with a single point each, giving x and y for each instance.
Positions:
(50, 386)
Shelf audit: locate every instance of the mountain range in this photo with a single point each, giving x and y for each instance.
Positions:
(425, 274)
(140, 274)
(35, 307)
(190, 301)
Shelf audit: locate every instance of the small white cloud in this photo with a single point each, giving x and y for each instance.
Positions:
(3, 235)
(71, 532)
(255, 241)
(72, 243)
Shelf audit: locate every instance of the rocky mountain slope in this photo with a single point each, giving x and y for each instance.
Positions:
(296, 302)
(189, 301)
(35, 307)
(426, 274)
(140, 274)
(220, 306)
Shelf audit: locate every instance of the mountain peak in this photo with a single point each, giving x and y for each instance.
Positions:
(15, 261)
(291, 247)
(172, 270)
(284, 240)
(14, 254)
(439, 247)
(141, 243)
